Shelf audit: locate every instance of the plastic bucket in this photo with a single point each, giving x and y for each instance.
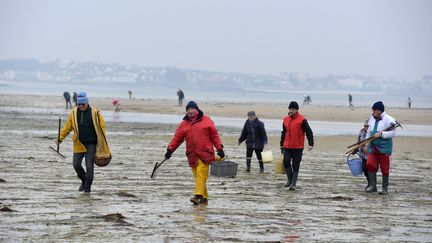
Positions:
(279, 167)
(355, 165)
(267, 156)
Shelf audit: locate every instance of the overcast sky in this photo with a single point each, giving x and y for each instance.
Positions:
(389, 38)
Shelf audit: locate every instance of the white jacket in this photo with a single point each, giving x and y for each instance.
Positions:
(385, 122)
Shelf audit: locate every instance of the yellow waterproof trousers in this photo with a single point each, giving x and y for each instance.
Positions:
(200, 173)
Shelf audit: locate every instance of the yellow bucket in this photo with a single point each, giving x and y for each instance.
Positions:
(267, 156)
(279, 167)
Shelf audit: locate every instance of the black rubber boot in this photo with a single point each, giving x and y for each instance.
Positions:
(261, 164)
(294, 181)
(248, 165)
(372, 182)
(385, 180)
(289, 175)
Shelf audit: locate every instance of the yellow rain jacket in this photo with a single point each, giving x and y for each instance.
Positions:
(102, 149)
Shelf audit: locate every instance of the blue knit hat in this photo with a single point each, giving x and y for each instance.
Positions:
(378, 106)
(82, 98)
(192, 104)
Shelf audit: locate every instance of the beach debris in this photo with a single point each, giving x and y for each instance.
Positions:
(116, 218)
(2, 180)
(125, 194)
(6, 209)
(45, 137)
(341, 198)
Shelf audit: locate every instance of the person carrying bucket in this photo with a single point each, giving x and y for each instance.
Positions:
(256, 138)
(362, 151)
(294, 128)
(88, 126)
(380, 149)
(201, 136)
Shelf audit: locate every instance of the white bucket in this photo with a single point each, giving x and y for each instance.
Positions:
(267, 156)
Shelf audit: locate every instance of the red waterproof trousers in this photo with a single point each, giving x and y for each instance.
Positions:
(377, 160)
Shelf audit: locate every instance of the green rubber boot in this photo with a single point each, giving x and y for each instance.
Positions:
(372, 181)
(385, 181)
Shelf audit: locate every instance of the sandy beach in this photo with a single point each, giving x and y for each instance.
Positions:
(263, 110)
(41, 189)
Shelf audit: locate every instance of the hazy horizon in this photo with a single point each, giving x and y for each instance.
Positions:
(385, 38)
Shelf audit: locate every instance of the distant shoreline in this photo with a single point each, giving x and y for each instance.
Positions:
(225, 109)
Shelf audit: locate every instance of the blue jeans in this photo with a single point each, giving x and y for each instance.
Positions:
(86, 175)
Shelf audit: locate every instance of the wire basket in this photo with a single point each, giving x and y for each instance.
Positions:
(223, 168)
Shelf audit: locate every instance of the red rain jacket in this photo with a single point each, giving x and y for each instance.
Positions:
(200, 135)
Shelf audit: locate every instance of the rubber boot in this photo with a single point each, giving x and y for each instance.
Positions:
(385, 180)
(248, 165)
(289, 175)
(372, 181)
(367, 178)
(294, 181)
(261, 164)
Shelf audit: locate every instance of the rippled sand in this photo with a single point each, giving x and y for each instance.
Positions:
(126, 205)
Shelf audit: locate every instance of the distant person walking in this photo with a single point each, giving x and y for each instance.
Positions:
(380, 149)
(256, 139)
(181, 97)
(409, 102)
(67, 98)
(362, 151)
(74, 98)
(88, 126)
(294, 128)
(130, 94)
(116, 103)
(201, 135)
(307, 100)
(350, 99)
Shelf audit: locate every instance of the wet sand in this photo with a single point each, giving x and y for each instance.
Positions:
(221, 109)
(126, 205)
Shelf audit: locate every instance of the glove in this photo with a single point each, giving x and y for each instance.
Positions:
(221, 153)
(168, 154)
(282, 150)
(58, 142)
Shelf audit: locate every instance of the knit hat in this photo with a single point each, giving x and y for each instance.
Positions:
(251, 113)
(378, 106)
(82, 98)
(191, 104)
(293, 105)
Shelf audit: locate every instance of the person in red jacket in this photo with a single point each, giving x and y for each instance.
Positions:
(294, 128)
(201, 136)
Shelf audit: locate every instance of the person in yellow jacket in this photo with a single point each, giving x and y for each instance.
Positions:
(89, 139)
